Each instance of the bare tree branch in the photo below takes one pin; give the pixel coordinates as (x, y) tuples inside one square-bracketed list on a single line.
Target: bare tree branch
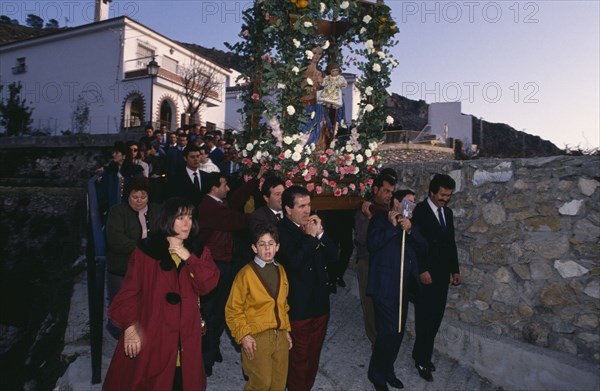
[(200, 82)]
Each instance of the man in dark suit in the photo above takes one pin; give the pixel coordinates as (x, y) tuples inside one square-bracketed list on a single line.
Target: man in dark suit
[(305, 252), (189, 181), (271, 212), (173, 155), (440, 267), (384, 241)]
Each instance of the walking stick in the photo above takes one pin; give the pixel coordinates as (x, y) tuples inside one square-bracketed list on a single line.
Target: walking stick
[(401, 281)]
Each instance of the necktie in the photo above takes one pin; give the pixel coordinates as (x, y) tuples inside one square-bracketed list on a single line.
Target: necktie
[(278, 216), (441, 217), (196, 181)]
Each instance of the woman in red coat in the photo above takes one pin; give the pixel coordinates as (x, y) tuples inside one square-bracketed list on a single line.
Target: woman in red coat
[(157, 306)]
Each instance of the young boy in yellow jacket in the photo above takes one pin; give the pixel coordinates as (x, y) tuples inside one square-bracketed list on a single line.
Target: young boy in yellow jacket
[(257, 314)]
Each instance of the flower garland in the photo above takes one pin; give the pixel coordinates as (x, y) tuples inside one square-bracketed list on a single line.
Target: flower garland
[(277, 45)]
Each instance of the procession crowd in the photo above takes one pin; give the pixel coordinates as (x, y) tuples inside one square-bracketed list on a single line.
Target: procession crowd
[(194, 251)]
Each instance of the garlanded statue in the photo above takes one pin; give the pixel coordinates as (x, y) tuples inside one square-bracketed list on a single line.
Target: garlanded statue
[(323, 103)]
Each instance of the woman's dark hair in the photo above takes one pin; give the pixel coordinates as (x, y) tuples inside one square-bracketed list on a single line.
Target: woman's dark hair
[(400, 194), (138, 183), (170, 210)]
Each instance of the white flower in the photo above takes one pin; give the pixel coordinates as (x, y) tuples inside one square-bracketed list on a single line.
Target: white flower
[(394, 63), (369, 91), (370, 161), (287, 154), (369, 108), (312, 115), (291, 110), (296, 42), (389, 120), (348, 148), (368, 153), (296, 156), (381, 54), (295, 70), (356, 170), (258, 154), (298, 148), (367, 19), (309, 54), (377, 67), (281, 86), (359, 158), (344, 5), (266, 154), (369, 43), (288, 140), (245, 153), (323, 7), (373, 145), (309, 81), (305, 172), (307, 24), (362, 30), (326, 45), (249, 147), (254, 159)]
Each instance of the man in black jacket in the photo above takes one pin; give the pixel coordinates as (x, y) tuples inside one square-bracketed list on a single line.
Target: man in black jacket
[(305, 252), (440, 267)]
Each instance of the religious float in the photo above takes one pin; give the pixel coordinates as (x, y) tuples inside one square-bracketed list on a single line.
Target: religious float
[(292, 55)]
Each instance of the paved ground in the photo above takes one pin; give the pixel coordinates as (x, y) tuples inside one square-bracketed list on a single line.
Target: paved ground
[(344, 359)]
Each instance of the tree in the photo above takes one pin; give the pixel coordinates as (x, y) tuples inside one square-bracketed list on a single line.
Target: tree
[(34, 21), (52, 24), (81, 115), (15, 116), (4, 19), (199, 83)]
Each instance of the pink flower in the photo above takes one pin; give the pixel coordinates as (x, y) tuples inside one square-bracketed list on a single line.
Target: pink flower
[(277, 167), (245, 33), (345, 191), (247, 162), (310, 186), (323, 159), (312, 170), (325, 181), (362, 187), (329, 151), (302, 165), (332, 184), (255, 97), (307, 178), (325, 173), (369, 181), (281, 156), (288, 183), (260, 183), (319, 189), (352, 186), (247, 178), (337, 192), (267, 16), (295, 171)]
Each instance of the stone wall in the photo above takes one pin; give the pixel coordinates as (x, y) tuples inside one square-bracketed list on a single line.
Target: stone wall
[(395, 153), (528, 235)]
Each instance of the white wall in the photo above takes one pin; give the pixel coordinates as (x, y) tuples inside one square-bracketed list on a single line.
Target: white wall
[(460, 126)]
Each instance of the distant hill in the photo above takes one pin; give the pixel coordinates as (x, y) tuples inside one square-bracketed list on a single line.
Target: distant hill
[(499, 140)]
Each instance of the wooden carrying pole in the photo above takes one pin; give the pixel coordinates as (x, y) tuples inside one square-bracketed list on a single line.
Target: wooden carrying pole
[(401, 281)]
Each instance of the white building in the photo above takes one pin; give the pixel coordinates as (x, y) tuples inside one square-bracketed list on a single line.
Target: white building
[(446, 120), (105, 63)]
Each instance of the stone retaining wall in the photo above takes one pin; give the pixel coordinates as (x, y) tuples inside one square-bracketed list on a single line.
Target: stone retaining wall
[(528, 235)]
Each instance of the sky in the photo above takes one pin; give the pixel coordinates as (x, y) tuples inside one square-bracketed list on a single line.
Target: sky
[(533, 65)]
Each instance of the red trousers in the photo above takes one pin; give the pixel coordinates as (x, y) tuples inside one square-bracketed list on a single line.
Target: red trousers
[(307, 339)]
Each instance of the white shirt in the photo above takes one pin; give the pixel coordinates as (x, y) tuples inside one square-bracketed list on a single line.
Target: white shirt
[(434, 208), (191, 175)]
